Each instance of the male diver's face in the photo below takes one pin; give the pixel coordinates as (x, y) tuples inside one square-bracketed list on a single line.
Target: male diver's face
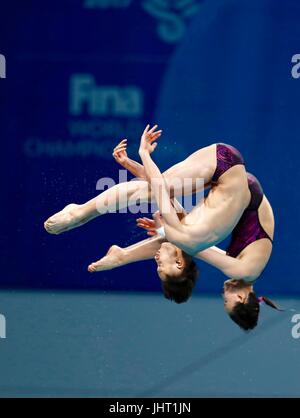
[(170, 261), (235, 291)]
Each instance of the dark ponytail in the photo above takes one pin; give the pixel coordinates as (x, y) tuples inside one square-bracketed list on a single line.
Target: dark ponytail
[(246, 314), (269, 303)]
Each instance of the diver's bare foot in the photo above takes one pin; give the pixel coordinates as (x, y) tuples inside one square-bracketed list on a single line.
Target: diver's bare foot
[(112, 260), (66, 219)]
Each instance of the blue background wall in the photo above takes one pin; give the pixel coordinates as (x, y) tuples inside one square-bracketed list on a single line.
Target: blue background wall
[(205, 70)]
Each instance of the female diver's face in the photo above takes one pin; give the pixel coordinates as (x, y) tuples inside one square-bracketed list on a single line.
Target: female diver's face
[(235, 291), (170, 261)]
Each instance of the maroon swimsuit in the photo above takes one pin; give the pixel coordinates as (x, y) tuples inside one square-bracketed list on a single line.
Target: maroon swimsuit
[(248, 229)]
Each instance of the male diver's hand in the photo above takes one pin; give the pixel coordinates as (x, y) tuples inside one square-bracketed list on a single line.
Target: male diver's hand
[(148, 139), (150, 225), (120, 153)]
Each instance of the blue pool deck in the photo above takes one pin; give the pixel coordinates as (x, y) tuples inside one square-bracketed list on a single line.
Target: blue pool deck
[(93, 344)]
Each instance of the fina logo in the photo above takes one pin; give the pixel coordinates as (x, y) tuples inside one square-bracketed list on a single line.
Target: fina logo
[(2, 66), (2, 327), (86, 96)]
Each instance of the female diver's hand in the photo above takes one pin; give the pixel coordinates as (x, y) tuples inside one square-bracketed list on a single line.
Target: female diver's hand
[(148, 139), (120, 153), (150, 225)]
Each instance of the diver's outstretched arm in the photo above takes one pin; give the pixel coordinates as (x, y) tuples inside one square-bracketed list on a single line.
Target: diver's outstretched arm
[(121, 157), (176, 233), (117, 257), (233, 268), (156, 179)]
